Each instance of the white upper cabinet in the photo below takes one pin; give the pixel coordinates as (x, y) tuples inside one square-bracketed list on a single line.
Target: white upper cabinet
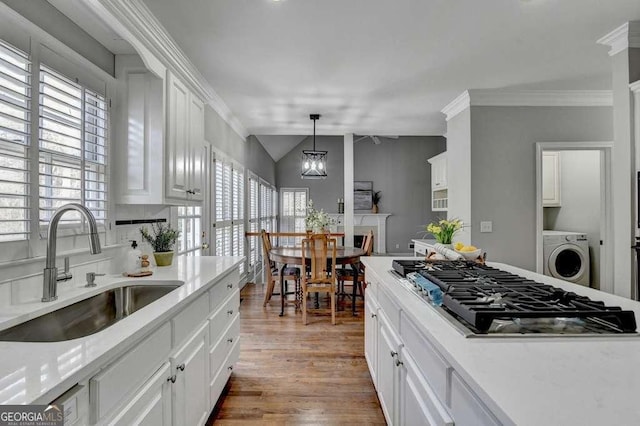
[(160, 153), (439, 191), (551, 179)]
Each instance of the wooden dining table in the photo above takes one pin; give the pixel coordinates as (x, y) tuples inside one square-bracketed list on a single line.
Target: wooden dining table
[(293, 256)]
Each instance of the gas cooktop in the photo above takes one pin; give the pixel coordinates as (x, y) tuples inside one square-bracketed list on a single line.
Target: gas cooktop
[(488, 300)]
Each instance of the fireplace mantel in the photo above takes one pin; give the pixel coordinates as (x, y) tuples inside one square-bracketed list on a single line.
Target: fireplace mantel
[(377, 221)]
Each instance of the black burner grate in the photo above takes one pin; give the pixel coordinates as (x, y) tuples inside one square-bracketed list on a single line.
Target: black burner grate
[(480, 294)]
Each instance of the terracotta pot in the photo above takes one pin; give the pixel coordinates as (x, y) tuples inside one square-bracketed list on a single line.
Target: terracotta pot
[(164, 258)]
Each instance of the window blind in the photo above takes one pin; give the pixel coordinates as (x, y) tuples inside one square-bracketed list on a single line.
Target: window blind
[(15, 128), (73, 147)]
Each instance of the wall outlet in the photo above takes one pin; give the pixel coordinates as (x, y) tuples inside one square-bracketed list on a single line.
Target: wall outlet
[(397, 246), (486, 226), (411, 246)]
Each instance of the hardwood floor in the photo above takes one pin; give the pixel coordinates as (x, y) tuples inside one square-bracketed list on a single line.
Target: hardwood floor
[(289, 373)]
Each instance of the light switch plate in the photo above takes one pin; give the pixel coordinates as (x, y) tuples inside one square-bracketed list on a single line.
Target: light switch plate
[(486, 226)]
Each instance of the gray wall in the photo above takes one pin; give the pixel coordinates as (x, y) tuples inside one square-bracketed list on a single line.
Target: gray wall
[(47, 17), (323, 192), (580, 209), (503, 187), (249, 153), (398, 168)]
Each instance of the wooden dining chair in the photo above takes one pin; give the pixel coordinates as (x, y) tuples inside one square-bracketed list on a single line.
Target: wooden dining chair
[(273, 273), (346, 274), (320, 250)]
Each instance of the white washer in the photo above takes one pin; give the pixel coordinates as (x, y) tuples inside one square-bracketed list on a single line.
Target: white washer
[(566, 256)]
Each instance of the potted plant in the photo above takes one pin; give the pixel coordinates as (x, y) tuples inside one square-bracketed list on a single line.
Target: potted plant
[(444, 230), (162, 238), (375, 198)]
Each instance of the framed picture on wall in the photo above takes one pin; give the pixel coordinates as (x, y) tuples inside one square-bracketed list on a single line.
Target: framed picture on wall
[(362, 195)]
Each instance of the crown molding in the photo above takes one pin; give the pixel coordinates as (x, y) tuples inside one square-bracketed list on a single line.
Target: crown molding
[(147, 31), (625, 36), (459, 104), (538, 98), (635, 86)]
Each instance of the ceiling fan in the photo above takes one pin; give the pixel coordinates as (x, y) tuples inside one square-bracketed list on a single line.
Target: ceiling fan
[(376, 139)]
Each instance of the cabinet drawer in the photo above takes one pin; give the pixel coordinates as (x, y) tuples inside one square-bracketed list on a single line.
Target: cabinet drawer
[(185, 322), (115, 382), (223, 344), (221, 319), (432, 365), (222, 375), (419, 249), (75, 404), (466, 406), (390, 308), (223, 289)]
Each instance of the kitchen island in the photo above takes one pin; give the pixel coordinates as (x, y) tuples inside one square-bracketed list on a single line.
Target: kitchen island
[(427, 372), (166, 362)]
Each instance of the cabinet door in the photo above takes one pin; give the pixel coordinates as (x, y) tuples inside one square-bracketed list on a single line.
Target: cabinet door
[(191, 389), (551, 179), (387, 376), (151, 405), (370, 335), (418, 404), (197, 152), (177, 139)]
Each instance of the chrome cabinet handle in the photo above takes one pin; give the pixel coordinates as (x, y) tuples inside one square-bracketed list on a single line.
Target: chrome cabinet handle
[(172, 379), (394, 354), (373, 315), (229, 286), (399, 363), (230, 340), (230, 312), (230, 368), (181, 367)]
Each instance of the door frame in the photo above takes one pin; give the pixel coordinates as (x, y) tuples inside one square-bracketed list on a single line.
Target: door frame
[(606, 223)]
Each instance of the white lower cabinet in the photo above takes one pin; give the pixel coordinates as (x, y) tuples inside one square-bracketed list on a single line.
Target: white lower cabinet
[(175, 375), (416, 384), (190, 392), (151, 405), (387, 372)]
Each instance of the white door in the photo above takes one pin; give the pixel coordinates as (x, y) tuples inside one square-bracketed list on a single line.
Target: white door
[(177, 139), (370, 335), (191, 389), (151, 405), (386, 372)]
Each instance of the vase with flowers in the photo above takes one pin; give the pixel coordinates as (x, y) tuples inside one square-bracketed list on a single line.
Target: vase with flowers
[(444, 230), (317, 220)]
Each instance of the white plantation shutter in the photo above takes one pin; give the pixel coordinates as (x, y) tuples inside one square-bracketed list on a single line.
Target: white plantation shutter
[(255, 248), (73, 147), (15, 128), (294, 210)]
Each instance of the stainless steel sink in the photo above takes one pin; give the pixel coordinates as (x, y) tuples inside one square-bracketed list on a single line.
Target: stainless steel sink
[(87, 316)]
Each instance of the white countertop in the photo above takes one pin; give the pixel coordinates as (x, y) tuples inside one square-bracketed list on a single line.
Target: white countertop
[(39, 372), (539, 381)]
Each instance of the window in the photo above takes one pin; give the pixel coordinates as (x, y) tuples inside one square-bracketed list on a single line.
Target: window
[(55, 156), (72, 158), (189, 225), (229, 210), (293, 212), (15, 129), (255, 249)]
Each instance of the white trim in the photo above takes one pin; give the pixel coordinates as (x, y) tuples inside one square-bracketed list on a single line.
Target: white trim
[(606, 221), (501, 97), (459, 104), (635, 86), (624, 37), (143, 29)]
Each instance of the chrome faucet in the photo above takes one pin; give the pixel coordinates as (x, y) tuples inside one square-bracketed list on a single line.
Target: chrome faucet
[(51, 277)]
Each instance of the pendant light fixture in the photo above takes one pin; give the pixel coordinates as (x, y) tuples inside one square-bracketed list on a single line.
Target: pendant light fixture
[(314, 163)]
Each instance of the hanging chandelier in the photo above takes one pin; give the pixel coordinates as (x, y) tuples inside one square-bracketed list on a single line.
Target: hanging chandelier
[(314, 163)]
